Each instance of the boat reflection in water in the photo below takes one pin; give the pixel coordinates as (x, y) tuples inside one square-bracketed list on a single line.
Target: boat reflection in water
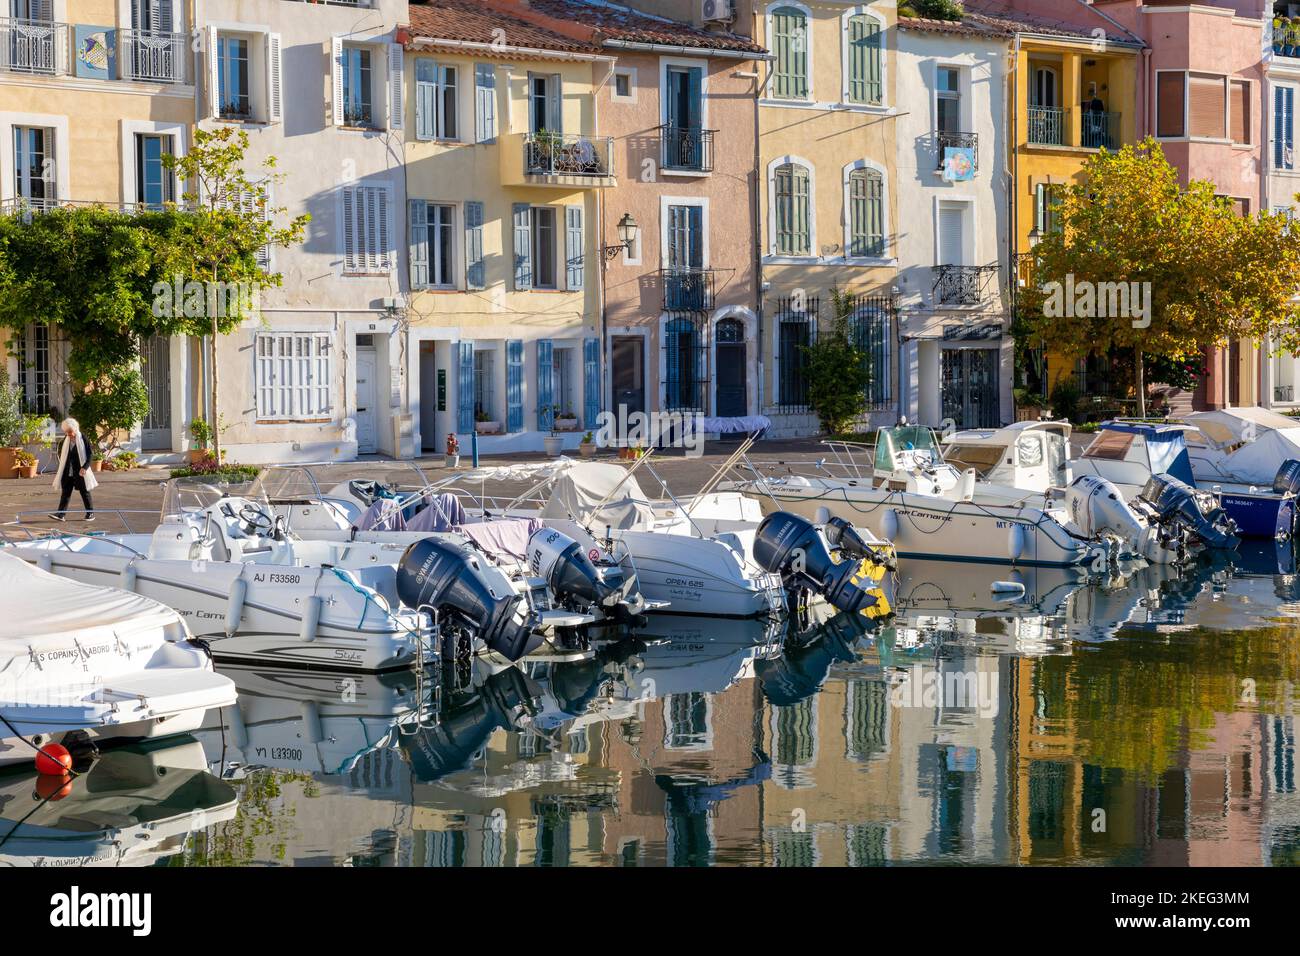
[(131, 807)]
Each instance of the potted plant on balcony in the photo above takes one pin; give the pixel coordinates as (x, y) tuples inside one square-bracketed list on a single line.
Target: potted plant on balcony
[(588, 447), (200, 440), (484, 425), (452, 456), (565, 421), (24, 463)]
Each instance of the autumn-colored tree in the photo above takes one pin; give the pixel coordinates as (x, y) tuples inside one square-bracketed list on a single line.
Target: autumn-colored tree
[(1136, 261)]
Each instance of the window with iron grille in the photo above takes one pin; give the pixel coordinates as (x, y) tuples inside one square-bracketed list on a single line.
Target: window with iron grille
[(34, 367), (683, 364), (796, 325), (866, 214), (871, 327), (293, 376), (793, 188)]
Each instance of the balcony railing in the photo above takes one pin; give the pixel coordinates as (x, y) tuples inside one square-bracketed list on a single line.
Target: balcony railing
[(28, 207), (1046, 126), (33, 46), (688, 290), (152, 56), (1099, 130), (687, 150), (962, 285), (944, 140), (553, 154)]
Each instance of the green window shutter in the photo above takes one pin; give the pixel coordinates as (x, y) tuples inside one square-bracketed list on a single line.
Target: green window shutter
[(790, 43), (866, 84)]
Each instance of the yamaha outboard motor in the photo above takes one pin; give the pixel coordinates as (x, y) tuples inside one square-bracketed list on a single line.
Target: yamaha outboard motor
[(791, 546), (578, 581), (1287, 480), (1175, 501), (840, 534), (464, 589)]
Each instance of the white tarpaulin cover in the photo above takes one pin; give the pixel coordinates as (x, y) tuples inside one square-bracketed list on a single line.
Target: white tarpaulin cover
[(581, 487), (39, 606), (1245, 445)]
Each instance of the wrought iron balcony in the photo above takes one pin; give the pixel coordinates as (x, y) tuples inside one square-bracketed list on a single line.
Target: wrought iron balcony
[(962, 285), (1046, 126), (152, 56), (1099, 130), (33, 46), (553, 154), (687, 290), (32, 206), (687, 150), (944, 140)]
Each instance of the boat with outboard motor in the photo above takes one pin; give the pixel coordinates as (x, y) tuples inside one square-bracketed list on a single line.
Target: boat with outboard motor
[(82, 665)]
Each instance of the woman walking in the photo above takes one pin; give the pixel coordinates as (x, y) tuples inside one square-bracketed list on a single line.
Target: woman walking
[(75, 456)]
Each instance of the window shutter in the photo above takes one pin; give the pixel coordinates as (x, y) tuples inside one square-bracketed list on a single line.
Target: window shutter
[(574, 247), (474, 267), (591, 381), (514, 385), (384, 246), (351, 260), (214, 82), (336, 57), (396, 99), (264, 260), (791, 48), (465, 384), (274, 97), (1169, 104), (426, 98), (545, 384), (523, 214), (1205, 104), (418, 214), (1284, 127), (485, 102), (952, 248), (555, 105), (1239, 103)]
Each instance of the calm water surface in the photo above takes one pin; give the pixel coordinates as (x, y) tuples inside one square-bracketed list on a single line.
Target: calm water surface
[(1145, 718)]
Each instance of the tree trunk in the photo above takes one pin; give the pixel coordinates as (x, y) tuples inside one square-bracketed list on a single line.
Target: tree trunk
[(216, 415), (1141, 385)]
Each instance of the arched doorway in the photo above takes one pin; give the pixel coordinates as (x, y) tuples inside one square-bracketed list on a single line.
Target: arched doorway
[(730, 369)]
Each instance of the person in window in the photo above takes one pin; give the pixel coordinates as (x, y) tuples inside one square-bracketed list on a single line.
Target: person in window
[(75, 456)]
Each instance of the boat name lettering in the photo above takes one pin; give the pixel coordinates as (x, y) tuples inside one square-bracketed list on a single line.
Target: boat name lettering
[(683, 583)]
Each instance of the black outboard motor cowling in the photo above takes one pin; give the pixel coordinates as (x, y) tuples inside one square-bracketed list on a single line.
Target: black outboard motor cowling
[(457, 583), (577, 581), (840, 534), (1287, 480), (791, 546), (1175, 500)]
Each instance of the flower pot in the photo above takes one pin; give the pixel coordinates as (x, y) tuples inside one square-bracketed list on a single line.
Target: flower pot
[(487, 428), (97, 465), (196, 455), (26, 471), (566, 424), (554, 444), (7, 462), (451, 461), (587, 449)]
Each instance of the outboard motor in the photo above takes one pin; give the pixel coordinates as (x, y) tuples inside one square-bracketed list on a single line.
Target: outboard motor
[(1176, 502), (579, 582), (842, 535), (1098, 510), (466, 590), (1287, 479), (791, 546)]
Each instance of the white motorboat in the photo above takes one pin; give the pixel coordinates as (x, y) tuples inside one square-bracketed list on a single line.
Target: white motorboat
[(254, 591), (131, 807), (1240, 446), (904, 493), (82, 663)]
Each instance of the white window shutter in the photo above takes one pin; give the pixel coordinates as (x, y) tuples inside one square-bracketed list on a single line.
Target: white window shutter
[(350, 231), (214, 83), (384, 252), (396, 97), (336, 57), (274, 95)]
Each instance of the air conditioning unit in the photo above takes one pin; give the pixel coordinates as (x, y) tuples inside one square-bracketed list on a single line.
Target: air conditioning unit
[(719, 11)]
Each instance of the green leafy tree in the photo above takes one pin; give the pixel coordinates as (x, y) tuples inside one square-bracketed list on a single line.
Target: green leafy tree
[(839, 373), (1193, 273)]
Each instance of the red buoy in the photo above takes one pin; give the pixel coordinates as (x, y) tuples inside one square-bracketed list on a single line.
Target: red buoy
[(53, 759), (53, 788)]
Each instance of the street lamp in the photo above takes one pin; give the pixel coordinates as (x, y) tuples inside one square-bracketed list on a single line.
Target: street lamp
[(627, 230)]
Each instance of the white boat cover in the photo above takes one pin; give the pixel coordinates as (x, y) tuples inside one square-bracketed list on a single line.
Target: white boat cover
[(1253, 442), (579, 489), (40, 607)]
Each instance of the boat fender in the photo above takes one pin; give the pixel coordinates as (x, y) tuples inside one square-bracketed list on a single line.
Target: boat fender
[(823, 515), (310, 619), (234, 717), (890, 525), (127, 578), (312, 732), (45, 562), (1008, 588), (235, 606), (1016, 543)]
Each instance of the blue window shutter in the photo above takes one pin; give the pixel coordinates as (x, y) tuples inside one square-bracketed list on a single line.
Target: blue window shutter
[(523, 247), (591, 380), (545, 384), (418, 216), (514, 385), (485, 102), (574, 247), (466, 386), (694, 98), (426, 98), (474, 271)]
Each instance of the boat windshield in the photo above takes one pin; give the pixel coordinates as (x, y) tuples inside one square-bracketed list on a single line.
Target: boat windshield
[(285, 482), (905, 438), (983, 458), (190, 495), (1110, 446)]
